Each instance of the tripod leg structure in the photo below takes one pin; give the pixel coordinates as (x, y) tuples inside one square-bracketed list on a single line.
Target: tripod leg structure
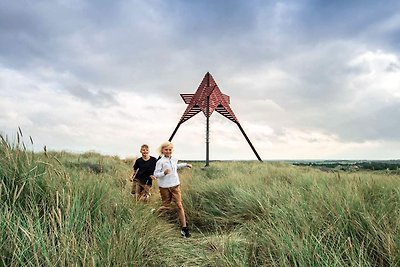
[(248, 141), (176, 129)]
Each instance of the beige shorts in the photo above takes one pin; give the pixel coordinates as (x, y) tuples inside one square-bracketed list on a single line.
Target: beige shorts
[(142, 189), (170, 194)]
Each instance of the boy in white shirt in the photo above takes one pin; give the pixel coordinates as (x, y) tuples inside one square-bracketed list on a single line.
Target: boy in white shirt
[(166, 172)]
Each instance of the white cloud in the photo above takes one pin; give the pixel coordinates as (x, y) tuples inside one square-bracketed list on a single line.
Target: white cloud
[(107, 76), (61, 121), (379, 75)]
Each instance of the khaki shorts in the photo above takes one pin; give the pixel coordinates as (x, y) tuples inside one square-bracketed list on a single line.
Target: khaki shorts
[(170, 194), (142, 190)]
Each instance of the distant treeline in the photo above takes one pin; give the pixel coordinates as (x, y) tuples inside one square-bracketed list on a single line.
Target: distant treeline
[(392, 165)]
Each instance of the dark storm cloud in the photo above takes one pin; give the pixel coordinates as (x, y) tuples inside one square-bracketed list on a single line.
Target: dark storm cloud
[(212, 20), (97, 98), (29, 31), (90, 40), (328, 20)]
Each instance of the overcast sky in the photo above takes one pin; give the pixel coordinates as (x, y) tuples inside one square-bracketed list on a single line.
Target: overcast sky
[(307, 79)]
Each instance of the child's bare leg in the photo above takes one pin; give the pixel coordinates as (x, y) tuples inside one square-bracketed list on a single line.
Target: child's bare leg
[(138, 192), (146, 193), (133, 189), (181, 214)]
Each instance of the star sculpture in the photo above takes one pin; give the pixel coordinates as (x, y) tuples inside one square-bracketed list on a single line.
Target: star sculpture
[(209, 98)]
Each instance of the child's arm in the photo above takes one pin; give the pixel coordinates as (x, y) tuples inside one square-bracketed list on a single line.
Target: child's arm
[(158, 171), (134, 174), (135, 170), (183, 165)]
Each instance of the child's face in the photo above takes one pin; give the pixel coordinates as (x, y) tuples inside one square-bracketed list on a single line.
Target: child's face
[(144, 151), (167, 151)]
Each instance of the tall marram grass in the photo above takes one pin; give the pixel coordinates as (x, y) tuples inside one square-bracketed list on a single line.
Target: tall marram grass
[(53, 216), (282, 215), (64, 209)]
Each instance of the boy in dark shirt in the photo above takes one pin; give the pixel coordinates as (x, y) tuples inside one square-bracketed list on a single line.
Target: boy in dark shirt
[(143, 173)]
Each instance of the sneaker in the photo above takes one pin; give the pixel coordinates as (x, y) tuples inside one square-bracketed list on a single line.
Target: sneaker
[(185, 232)]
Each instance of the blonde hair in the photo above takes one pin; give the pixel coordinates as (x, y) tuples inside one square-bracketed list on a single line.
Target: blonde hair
[(162, 146)]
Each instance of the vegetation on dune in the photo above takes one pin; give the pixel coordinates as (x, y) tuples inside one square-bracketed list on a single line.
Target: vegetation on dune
[(53, 215), (296, 216), (392, 166), (61, 209)]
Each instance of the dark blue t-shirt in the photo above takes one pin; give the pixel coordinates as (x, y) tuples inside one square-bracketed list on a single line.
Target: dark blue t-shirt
[(146, 168)]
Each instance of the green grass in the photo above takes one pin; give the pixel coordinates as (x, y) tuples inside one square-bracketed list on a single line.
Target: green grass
[(63, 209), (296, 216)]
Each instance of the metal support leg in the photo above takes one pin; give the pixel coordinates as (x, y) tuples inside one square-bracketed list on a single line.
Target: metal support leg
[(176, 129), (248, 141), (208, 133)]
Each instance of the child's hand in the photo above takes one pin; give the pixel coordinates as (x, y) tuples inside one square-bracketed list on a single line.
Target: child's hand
[(189, 166), (153, 177), (167, 171)]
